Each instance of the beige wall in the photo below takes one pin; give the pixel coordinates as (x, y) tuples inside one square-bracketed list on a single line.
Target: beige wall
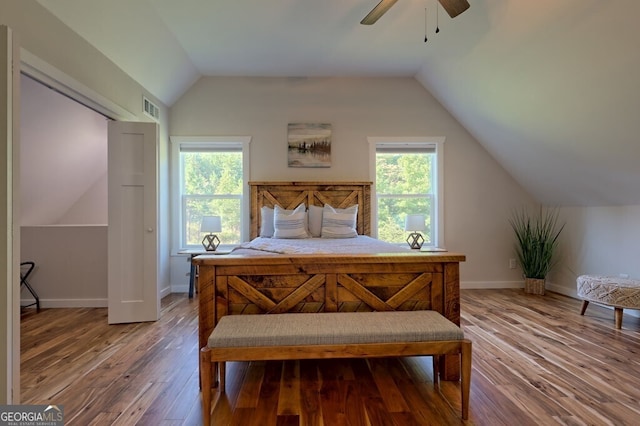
[(63, 159), (597, 240), (44, 36), (479, 195), (71, 265)]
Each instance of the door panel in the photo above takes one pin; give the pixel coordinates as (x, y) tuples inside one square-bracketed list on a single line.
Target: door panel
[(133, 223)]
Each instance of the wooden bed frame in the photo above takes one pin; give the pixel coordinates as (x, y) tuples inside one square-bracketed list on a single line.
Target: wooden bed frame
[(290, 195), (237, 284)]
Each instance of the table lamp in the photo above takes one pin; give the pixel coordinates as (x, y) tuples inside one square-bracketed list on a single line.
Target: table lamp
[(211, 224), (414, 223)]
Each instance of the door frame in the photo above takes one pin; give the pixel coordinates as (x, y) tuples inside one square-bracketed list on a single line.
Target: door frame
[(57, 80), (51, 76), (10, 252)]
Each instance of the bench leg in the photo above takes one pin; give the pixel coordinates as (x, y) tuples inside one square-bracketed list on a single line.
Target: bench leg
[(222, 375), (205, 382), (617, 314), (436, 371), (585, 303), (465, 373)]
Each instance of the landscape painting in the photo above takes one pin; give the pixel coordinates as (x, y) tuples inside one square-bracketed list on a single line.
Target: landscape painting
[(309, 144)]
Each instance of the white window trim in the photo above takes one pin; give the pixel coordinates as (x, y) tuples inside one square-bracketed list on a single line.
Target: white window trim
[(194, 141), (438, 143)]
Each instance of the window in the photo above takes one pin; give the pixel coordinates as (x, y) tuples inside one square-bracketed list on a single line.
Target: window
[(407, 181), (210, 177)]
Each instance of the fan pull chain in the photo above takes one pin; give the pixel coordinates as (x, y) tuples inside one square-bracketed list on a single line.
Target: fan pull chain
[(437, 25), (425, 24)]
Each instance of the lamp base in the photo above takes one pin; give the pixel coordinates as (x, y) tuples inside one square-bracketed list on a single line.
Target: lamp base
[(415, 240), (210, 242)]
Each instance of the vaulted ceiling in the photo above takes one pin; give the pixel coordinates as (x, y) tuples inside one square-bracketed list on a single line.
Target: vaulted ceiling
[(551, 88)]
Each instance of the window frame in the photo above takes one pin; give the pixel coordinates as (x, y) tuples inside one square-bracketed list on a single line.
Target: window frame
[(205, 142), (432, 142)]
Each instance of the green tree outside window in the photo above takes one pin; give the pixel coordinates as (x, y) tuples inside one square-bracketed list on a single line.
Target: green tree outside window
[(404, 185)]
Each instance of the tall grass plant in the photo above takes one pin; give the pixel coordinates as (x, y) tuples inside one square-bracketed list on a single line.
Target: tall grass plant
[(537, 240)]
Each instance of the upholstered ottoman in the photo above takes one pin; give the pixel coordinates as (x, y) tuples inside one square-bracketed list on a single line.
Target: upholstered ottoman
[(620, 293)]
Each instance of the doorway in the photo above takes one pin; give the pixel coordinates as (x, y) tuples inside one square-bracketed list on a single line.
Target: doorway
[(63, 184)]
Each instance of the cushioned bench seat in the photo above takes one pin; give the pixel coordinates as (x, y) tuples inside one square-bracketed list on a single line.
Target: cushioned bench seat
[(332, 328), (332, 335), (620, 293)]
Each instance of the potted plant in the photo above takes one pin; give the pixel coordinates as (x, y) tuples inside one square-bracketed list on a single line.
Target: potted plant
[(537, 240)]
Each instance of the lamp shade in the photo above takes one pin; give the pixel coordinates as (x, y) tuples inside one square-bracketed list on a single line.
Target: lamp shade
[(414, 222), (211, 224)]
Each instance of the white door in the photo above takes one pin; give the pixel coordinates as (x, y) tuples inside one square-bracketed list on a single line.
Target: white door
[(9, 222), (133, 222)]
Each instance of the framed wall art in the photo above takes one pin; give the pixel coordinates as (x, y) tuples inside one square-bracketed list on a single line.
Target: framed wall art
[(309, 144)]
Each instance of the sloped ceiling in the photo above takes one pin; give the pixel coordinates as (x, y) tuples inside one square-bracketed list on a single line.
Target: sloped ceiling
[(63, 157), (551, 88)]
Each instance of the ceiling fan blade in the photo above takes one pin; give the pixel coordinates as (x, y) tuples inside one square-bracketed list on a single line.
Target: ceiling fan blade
[(378, 11), (454, 7)]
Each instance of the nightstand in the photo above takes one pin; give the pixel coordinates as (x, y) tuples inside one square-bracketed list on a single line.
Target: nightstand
[(194, 270)]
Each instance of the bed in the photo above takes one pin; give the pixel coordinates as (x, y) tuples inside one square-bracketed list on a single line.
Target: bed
[(268, 282)]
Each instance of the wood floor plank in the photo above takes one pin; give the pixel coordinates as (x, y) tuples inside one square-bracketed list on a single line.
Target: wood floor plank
[(354, 410), (250, 392), (391, 395), (331, 402), (536, 360), (175, 400), (267, 409), (310, 412), (289, 398), (377, 413)]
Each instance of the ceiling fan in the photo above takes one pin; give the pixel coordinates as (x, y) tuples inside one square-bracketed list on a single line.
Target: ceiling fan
[(453, 8)]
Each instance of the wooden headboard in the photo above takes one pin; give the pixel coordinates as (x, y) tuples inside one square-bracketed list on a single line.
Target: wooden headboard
[(289, 195)]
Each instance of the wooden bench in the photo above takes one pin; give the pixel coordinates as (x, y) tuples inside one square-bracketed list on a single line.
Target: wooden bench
[(332, 335)]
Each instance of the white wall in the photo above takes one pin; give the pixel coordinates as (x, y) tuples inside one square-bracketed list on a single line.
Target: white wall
[(63, 149), (44, 36), (71, 265), (479, 195), (91, 207), (597, 240)]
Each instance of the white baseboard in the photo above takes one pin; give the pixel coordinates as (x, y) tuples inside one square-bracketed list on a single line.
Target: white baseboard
[(80, 303), (67, 303), (165, 292), (479, 285), (184, 288), (570, 292)]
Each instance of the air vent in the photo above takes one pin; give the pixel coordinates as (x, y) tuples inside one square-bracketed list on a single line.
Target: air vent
[(150, 109)]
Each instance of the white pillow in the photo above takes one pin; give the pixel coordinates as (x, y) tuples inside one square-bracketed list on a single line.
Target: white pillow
[(290, 224), (339, 223), (315, 220), (266, 222)]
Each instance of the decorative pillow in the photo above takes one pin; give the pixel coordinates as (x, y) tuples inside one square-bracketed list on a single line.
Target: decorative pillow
[(339, 223), (266, 222), (290, 224), (315, 220)]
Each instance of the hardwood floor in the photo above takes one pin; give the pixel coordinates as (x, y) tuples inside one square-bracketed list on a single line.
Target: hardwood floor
[(536, 361)]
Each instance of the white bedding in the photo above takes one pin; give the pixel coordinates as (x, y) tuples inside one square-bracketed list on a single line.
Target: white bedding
[(358, 245)]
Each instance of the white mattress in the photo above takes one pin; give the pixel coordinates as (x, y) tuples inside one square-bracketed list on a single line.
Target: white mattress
[(359, 245)]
